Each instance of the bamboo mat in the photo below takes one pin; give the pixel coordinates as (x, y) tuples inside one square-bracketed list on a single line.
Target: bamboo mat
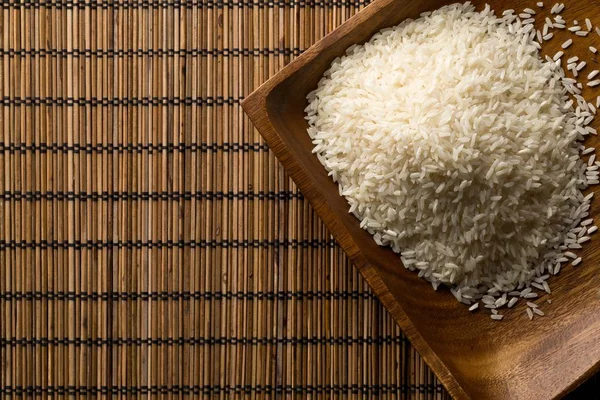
[(150, 244)]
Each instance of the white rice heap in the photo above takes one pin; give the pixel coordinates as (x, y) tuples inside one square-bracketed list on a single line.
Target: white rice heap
[(456, 144)]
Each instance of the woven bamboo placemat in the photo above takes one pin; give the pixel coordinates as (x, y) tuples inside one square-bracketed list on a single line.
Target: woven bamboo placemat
[(149, 241)]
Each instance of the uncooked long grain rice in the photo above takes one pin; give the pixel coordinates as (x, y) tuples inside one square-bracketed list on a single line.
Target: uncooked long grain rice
[(558, 55), (546, 287), (558, 7), (588, 151), (529, 313), (428, 141)]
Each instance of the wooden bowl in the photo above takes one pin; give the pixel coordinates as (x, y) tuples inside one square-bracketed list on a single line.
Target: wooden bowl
[(473, 356)]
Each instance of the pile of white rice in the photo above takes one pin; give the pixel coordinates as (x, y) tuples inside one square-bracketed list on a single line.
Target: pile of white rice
[(455, 143)]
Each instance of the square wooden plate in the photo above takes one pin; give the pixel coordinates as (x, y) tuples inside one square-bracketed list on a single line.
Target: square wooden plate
[(473, 356)]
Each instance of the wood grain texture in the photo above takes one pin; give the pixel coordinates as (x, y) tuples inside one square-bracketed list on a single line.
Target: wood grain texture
[(474, 357)]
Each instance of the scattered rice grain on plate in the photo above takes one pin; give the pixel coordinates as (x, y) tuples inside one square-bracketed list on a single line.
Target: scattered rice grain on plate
[(558, 55), (588, 151), (545, 29), (560, 8), (538, 311), (546, 287)]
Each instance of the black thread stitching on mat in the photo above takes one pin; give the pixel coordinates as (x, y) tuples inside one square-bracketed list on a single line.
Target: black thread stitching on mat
[(210, 341), (284, 195), (215, 389), (120, 101), (138, 244), (205, 4), (88, 53), (134, 147), (166, 296)]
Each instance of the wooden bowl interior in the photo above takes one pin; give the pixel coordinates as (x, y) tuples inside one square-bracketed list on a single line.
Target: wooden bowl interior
[(514, 358)]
